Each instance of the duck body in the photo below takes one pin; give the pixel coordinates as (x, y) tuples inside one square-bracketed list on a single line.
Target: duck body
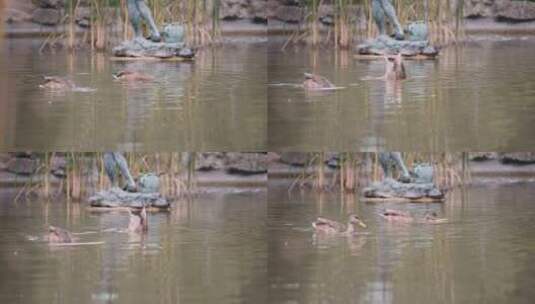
[(138, 221), (57, 83), (396, 216), (327, 226), (395, 68), (405, 217), (316, 82), (132, 76), (59, 235)]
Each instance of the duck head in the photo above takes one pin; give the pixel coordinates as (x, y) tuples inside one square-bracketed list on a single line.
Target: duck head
[(355, 220)]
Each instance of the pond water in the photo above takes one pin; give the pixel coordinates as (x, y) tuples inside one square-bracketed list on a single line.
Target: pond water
[(216, 103), (208, 250), (485, 254), (476, 96)]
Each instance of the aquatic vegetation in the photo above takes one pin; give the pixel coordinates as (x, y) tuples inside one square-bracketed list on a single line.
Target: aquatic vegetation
[(75, 175)]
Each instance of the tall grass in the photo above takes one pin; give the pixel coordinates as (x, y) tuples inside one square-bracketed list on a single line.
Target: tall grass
[(356, 170), (85, 174), (444, 19)]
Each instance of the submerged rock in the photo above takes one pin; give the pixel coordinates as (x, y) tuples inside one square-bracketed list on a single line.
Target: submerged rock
[(115, 197)]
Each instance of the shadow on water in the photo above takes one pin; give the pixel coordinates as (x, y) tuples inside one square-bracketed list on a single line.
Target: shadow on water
[(215, 103), (475, 96), (483, 254)]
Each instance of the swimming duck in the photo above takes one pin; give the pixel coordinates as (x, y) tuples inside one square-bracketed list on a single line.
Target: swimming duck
[(395, 69), (57, 83), (138, 221), (59, 235), (405, 217), (316, 82), (132, 76), (332, 227)]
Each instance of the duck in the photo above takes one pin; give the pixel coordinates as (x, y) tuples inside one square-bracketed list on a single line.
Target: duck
[(59, 235), (405, 217), (392, 215), (138, 221), (327, 226), (57, 83), (395, 69), (316, 82), (132, 76)]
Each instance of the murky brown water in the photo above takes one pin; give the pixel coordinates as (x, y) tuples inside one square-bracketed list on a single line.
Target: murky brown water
[(216, 103), (485, 254), (479, 96), (208, 250)]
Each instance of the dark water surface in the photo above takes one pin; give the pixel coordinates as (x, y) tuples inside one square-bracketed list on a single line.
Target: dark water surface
[(216, 103), (485, 254), (476, 96), (208, 250)]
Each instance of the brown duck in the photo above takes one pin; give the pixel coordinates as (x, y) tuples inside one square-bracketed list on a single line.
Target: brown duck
[(57, 83), (397, 216), (59, 235), (327, 226), (395, 69), (138, 221), (316, 82), (132, 76)]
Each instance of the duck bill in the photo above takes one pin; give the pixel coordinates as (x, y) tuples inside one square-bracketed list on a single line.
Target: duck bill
[(361, 224)]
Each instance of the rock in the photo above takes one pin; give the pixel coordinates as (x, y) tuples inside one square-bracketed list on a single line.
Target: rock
[(115, 197), (210, 161), (247, 163), (478, 8), (49, 3), (483, 156), (22, 165), (295, 158), (289, 14), (390, 188), (141, 47), (515, 11), (259, 11), (14, 16), (46, 16), (234, 9), (518, 158), (384, 45)]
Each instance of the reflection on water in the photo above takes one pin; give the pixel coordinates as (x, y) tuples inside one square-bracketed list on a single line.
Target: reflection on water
[(476, 96), (216, 103), (209, 250), (485, 254)]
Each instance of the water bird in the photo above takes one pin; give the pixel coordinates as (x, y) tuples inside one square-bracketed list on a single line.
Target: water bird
[(332, 227), (398, 216), (316, 82), (132, 76), (138, 221), (395, 69), (59, 235), (57, 83)]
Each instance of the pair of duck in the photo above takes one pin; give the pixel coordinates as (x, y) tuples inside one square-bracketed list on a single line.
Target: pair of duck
[(323, 225), (394, 70), (138, 223), (61, 83)]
